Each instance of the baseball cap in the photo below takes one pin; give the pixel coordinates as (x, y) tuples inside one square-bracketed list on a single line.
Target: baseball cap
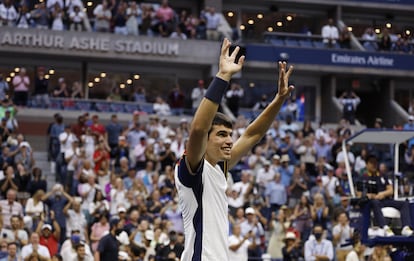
[(285, 158), (250, 210), (122, 255), (276, 156), (167, 141), (47, 226), (121, 209), (290, 235)]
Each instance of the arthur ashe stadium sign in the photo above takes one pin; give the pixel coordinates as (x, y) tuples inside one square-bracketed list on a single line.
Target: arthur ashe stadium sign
[(91, 42)]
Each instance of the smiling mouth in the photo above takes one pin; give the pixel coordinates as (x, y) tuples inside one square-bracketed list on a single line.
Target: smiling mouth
[(227, 150)]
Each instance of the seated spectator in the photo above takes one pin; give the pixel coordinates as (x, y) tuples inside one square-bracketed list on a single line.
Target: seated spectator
[(10, 207), (20, 235), (369, 38), (69, 247), (35, 249), (10, 181), (103, 16), (330, 34), (318, 248)]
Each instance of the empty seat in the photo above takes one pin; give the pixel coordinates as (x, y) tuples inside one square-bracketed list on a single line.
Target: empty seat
[(318, 44), (291, 43), (277, 42), (103, 107), (83, 105), (305, 43), (131, 107), (117, 107)]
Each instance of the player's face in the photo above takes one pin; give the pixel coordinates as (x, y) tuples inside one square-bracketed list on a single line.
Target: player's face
[(219, 144)]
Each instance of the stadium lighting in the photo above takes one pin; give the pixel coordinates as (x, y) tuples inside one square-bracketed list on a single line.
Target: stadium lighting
[(103, 75), (377, 30), (90, 84), (388, 25), (51, 71), (89, 3), (279, 24), (129, 81), (349, 28), (242, 27), (12, 74), (250, 21), (251, 85), (17, 69), (137, 76), (122, 85), (230, 14), (270, 29), (8, 79), (289, 18), (47, 76), (260, 16), (97, 79), (407, 32)]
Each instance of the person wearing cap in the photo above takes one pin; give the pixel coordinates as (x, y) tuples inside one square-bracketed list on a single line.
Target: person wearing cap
[(123, 256), (47, 238), (177, 145), (291, 251), (252, 225), (197, 94), (201, 174), (331, 183), (379, 190), (66, 139), (264, 175), (147, 243), (286, 170)]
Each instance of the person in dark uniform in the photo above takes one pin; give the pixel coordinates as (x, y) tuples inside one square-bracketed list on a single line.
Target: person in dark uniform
[(378, 189), (108, 246)]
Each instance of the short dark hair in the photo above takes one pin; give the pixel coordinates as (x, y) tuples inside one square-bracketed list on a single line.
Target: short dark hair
[(221, 119)]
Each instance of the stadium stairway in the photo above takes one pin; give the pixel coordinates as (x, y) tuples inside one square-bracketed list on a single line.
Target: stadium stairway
[(39, 145)]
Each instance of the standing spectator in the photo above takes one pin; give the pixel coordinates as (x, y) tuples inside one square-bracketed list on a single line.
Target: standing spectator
[(320, 211), (108, 246), (261, 104), (35, 207), (385, 42), (165, 15), (277, 228), (41, 89), (342, 236), (66, 139), (75, 218), (103, 16), (98, 230), (345, 38), (114, 130), (35, 249), (212, 23), (275, 193), (303, 221), (61, 91), (197, 94), (77, 17), (161, 108), (349, 101), (176, 99), (48, 238), (4, 88), (24, 18), (41, 16), (318, 248), (76, 91), (21, 83), (57, 18), (239, 244), (120, 19), (100, 155), (98, 129), (134, 20), (298, 185), (12, 253), (36, 182), (252, 225), (233, 97), (330, 34), (8, 13), (370, 39)]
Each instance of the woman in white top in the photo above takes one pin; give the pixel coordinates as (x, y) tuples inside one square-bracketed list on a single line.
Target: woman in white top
[(35, 207), (88, 141), (57, 14)]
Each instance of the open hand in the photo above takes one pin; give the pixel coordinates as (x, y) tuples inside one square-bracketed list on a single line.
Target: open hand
[(227, 65), (283, 83)]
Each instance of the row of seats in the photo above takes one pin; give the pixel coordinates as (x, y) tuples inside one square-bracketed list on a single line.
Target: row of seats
[(99, 106), (289, 42)]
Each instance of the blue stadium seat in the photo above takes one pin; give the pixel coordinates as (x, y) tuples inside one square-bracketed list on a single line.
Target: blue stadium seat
[(103, 107), (147, 107), (306, 43), (117, 107), (292, 43), (277, 42), (83, 105), (318, 44), (131, 107), (55, 104)]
